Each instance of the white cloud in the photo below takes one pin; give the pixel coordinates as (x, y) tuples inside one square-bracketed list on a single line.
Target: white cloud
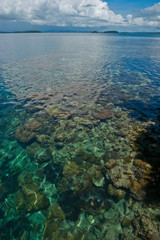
[(60, 12), (149, 16), (153, 11), (91, 13)]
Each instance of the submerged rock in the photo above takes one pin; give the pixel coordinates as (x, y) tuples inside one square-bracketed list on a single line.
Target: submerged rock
[(29, 198), (134, 179), (126, 222), (33, 107), (51, 109), (62, 115), (110, 164), (27, 132), (84, 156), (24, 178), (96, 176), (104, 114), (57, 112), (81, 173), (24, 135), (72, 174), (86, 122), (32, 124), (54, 220), (74, 231), (117, 193), (111, 155), (146, 227), (121, 177), (35, 151)]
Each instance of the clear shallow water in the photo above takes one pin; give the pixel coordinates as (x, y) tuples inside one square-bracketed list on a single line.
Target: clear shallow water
[(79, 138)]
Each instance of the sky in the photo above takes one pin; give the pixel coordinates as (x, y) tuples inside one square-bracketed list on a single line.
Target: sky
[(79, 15)]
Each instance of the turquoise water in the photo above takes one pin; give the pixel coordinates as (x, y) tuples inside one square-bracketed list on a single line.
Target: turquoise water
[(79, 137)]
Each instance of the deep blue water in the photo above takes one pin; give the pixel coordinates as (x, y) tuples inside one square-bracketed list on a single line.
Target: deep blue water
[(79, 136)]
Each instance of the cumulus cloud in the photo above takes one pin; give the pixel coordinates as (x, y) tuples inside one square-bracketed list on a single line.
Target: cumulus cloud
[(80, 13), (149, 16), (60, 12), (152, 12)]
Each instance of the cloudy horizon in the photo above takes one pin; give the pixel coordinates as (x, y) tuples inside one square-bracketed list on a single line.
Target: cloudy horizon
[(76, 14)]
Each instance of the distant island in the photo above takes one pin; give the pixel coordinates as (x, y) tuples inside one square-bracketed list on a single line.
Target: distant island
[(110, 32), (140, 33), (128, 33), (30, 31), (100, 32)]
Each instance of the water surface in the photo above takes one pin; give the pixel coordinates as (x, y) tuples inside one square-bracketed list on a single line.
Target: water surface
[(79, 142)]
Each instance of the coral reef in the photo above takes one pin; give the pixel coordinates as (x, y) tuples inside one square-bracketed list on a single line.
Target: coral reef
[(54, 220), (29, 197), (81, 170), (104, 114), (26, 133)]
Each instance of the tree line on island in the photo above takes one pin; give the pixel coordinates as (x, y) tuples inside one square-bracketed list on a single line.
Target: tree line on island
[(105, 32), (65, 31)]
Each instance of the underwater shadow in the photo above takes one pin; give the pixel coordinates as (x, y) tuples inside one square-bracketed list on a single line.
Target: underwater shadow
[(147, 110), (148, 144)]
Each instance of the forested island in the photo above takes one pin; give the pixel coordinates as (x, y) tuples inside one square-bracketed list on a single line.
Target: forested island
[(30, 31), (112, 31)]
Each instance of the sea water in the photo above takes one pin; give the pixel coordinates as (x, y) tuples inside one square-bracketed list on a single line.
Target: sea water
[(79, 136)]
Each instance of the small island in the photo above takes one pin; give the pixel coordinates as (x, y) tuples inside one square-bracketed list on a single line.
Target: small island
[(94, 32), (30, 31), (110, 32)]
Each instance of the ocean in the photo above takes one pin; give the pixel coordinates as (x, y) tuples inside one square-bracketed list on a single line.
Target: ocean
[(79, 136)]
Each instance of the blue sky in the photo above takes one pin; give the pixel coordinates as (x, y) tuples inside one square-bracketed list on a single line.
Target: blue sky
[(130, 5), (122, 15)]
